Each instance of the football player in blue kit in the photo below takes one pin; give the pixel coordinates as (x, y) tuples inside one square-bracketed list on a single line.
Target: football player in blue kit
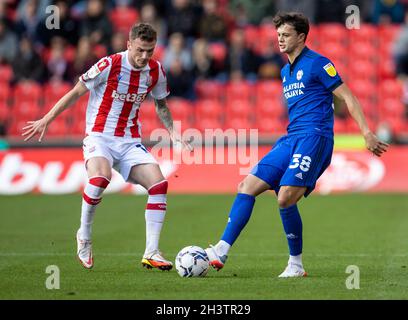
[(299, 158)]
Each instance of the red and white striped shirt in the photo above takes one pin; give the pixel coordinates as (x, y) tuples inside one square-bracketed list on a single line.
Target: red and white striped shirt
[(117, 90)]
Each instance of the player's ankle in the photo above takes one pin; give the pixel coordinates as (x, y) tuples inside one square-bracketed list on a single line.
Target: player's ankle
[(296, 259), (222, 248)]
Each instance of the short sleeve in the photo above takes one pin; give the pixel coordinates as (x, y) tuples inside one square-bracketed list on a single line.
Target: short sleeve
[(161, 89), (97, 74), (326, 73)]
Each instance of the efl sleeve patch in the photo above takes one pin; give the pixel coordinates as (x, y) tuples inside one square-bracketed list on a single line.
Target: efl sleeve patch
[(95, 70), (330, 69)]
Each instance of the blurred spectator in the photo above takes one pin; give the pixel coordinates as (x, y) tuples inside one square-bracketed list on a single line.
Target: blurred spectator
[(180, 81), (68, 26), (388, 11), (212, 26), (148, 14), (183, 17), (96, 24), (330, 11), (240, 58), (5, 15), (271, 62), (176, 50), (56, 64), (307, 7), (27, 21), (118, 43), (41, 6), (204, 65), (8, 43), (27, 64), (255, 10), (84, 59)]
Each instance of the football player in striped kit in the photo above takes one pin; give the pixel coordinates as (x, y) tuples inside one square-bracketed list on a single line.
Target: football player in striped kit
[(118, 84)]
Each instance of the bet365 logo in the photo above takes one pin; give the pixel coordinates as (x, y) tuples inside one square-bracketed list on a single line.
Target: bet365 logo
[(302, 162)]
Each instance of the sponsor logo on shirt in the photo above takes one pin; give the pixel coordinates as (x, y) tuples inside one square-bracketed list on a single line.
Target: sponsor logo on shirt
[(129, 97)]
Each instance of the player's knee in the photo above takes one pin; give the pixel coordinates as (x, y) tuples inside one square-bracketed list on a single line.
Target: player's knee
[(285, 200), (245, 187)]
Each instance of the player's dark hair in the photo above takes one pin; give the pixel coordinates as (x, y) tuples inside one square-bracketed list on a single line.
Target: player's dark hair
[(143, 31), (296, 19)]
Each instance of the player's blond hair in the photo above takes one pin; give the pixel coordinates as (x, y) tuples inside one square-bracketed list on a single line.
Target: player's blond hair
[(143, 31)]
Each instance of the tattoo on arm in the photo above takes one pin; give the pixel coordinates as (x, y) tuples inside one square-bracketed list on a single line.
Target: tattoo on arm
[(164, 113)]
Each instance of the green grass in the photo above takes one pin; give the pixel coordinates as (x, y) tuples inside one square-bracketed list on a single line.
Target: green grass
[(364, 230)]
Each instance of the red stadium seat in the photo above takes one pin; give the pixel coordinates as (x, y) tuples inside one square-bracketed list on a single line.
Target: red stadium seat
[(363, 89), (7, 74), (340, 125), (208, 109), (123, 18), (26, 110), (271, 108), (268, 90), (363, 70), (27, 91), (54, 90), (206, 89), (241, 90), (332, 32), (238, 108), (181, 110), (148, 109), (59, 127), (148, 125), (208, 123), (353, 128), (386, 69), (388, 33), (390, 88), (251, 36), (271, 126), (5, 113), (335, 51), (158, 52), (363, 51), (16, 126), (218, 51), (367, 33), (77, 127), (392, 108), (238, 123), (5, 92)]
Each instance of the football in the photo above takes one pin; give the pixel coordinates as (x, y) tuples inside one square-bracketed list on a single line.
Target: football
[(192, 261)]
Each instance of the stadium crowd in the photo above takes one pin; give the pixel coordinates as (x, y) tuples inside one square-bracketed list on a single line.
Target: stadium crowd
[(205, 46)]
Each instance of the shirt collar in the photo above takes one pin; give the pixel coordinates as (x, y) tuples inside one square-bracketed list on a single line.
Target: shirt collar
[(292, 65)]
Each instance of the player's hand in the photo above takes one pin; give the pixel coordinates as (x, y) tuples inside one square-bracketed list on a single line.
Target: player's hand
[(35, 127), (376, 146), (178, 141)]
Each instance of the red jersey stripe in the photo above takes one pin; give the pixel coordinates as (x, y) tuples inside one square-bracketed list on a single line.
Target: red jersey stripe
[(156, 206), (153, 73), (107, 101), (127, 106)]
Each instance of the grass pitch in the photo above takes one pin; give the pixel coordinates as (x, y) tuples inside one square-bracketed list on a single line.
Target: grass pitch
[(368, 231)]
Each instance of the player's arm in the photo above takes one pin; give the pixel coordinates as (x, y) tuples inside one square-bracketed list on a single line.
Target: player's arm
[(165, 117), (373, 144), (40, 126)]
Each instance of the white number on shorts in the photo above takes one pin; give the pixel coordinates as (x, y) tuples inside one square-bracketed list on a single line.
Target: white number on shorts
[(304, 165)]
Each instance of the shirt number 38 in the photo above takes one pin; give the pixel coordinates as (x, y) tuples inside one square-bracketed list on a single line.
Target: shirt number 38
[(303, 162)]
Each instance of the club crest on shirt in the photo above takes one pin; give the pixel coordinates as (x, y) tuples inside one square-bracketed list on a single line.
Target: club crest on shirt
[(299, 75), (330, 69)]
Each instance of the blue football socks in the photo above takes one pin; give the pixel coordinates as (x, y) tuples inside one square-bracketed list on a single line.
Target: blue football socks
[(292, 224), (240, 213)]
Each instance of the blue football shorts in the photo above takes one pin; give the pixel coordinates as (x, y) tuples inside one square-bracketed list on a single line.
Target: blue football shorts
[(295, 160)]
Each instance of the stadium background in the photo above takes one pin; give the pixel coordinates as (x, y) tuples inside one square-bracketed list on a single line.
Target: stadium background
[(223, 69)]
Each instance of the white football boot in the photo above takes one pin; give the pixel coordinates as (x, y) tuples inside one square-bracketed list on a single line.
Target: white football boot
[(293, 270), (216, 261), (84, 252), (156, 260)]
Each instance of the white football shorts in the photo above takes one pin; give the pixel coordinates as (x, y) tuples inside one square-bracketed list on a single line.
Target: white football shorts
[(122, 154)]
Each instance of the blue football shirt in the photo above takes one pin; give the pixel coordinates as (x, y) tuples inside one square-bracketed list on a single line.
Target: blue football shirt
[(307, 86)]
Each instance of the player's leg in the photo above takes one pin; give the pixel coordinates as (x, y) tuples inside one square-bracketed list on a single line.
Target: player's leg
[(311, 156), (151, 178), (288, 197), (239, 215), (266, 175), (99, 175)]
